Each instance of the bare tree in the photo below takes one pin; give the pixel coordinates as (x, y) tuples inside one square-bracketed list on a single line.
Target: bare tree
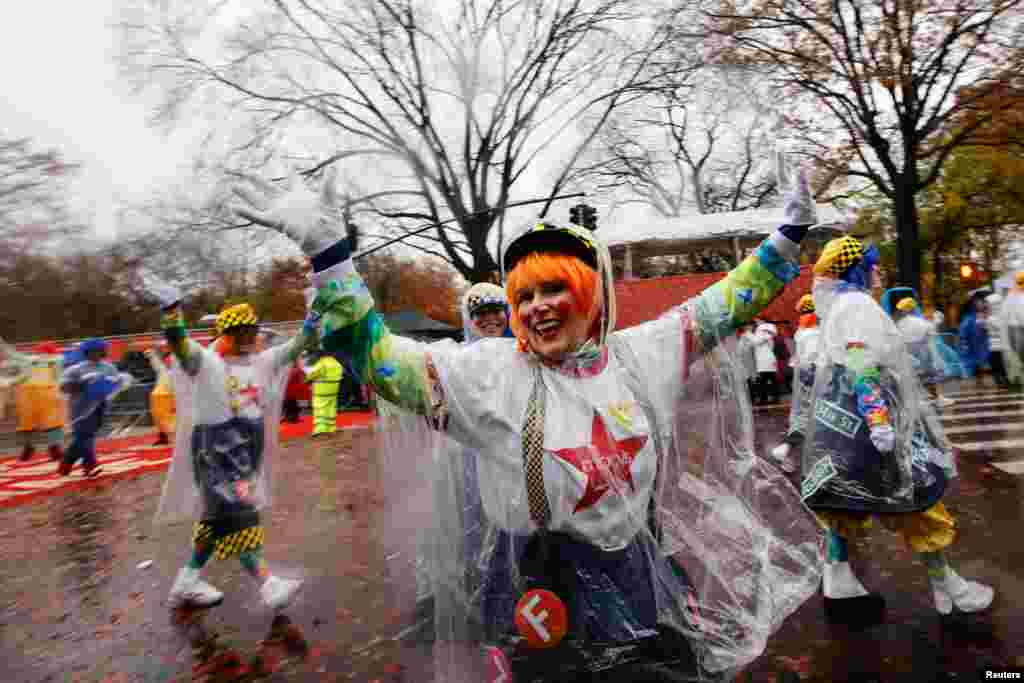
[(449, 106), (878, 89), (33, 196), (703, 145)]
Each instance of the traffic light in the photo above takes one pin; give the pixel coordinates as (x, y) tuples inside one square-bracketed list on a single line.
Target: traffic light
[(583, 215), (589, 217)]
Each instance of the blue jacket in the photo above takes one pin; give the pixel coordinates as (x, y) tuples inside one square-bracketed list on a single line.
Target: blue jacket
[(974, 344)]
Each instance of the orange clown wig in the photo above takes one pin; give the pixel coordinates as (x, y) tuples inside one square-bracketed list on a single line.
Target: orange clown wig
[(538, 267)]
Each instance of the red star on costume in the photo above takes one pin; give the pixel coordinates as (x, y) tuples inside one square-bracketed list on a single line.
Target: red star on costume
[(603, 455), (251, 393)]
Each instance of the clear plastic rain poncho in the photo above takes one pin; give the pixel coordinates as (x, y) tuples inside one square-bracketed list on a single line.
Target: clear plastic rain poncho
[(676, 550), (865, 386), (1011, 322), (226, 433), (98, 383), (919, 333)]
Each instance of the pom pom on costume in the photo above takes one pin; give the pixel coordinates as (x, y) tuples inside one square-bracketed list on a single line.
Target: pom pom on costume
[(808, 320), (239, 315), (906, 305), (806, 304), (1018, 279)]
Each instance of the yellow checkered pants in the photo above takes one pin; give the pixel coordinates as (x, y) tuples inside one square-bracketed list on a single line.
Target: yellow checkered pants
[(229, 545)]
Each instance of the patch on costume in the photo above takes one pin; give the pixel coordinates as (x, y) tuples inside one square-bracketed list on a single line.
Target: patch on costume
[(622, 413), (235, 543), (837, 419), (745, 295), (386, 370), (820, 474)]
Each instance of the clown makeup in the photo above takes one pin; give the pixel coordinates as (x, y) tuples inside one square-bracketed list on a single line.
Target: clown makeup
[(490, 321), (548, 313)]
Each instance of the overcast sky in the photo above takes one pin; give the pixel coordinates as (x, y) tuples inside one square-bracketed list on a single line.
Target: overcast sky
[(60, 87)]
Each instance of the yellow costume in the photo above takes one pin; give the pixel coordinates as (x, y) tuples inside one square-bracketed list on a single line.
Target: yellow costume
[(161, 399), (38, 402), (326, 375)]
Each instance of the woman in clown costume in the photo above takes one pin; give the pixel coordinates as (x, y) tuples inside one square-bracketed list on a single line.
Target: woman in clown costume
[(872, 450), (607, 461), (804, 362), (228, 407)]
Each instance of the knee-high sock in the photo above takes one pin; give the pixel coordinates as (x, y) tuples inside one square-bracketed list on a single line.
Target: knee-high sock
[(837, 548), (201, 554), (252, 562), (936, 563)]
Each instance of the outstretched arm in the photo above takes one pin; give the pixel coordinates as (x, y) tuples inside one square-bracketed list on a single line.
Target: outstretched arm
[(343, 310), (746, 290)]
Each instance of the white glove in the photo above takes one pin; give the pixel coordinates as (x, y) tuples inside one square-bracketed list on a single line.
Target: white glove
[(167, 295), (307, 218), (800, 208), (884, 438)]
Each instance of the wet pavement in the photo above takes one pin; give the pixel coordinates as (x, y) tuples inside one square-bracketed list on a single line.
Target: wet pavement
[(74, 604)]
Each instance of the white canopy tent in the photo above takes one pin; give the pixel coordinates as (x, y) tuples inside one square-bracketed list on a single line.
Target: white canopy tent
[(637, 232)]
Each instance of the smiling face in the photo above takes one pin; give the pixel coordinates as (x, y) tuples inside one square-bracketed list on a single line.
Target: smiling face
[(490, 321), (549, 315)]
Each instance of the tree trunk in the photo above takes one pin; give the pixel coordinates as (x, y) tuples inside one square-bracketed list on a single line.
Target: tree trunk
[(908, 257)]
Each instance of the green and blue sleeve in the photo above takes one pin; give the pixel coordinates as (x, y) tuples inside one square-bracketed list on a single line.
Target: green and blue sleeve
[(399, 369), (746, 290)]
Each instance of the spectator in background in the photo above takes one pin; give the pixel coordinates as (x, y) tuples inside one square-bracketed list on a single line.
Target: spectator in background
[(767, 364), (296, 391), (748, 359)]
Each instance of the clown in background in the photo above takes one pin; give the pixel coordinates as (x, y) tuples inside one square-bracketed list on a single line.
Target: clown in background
[(997, 342), (38, 403), (229, 399), (91, 384), (325, 373), (974, 342), (1012, 319), (874, 449), (161, 399), (803, 361), (922, 339)]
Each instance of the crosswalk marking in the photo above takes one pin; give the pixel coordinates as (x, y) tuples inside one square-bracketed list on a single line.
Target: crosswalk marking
[(996, 445), (1005, 436), (998, 427), (974, 416), (1015, 467)]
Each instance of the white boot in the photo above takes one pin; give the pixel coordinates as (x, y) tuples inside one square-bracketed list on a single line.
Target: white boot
[(952, 590), (781, 452), (277, 593), (839, 582), (189, 589)]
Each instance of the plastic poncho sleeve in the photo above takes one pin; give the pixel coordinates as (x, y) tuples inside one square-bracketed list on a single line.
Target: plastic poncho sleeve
[(399, 369), (746, 290)]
